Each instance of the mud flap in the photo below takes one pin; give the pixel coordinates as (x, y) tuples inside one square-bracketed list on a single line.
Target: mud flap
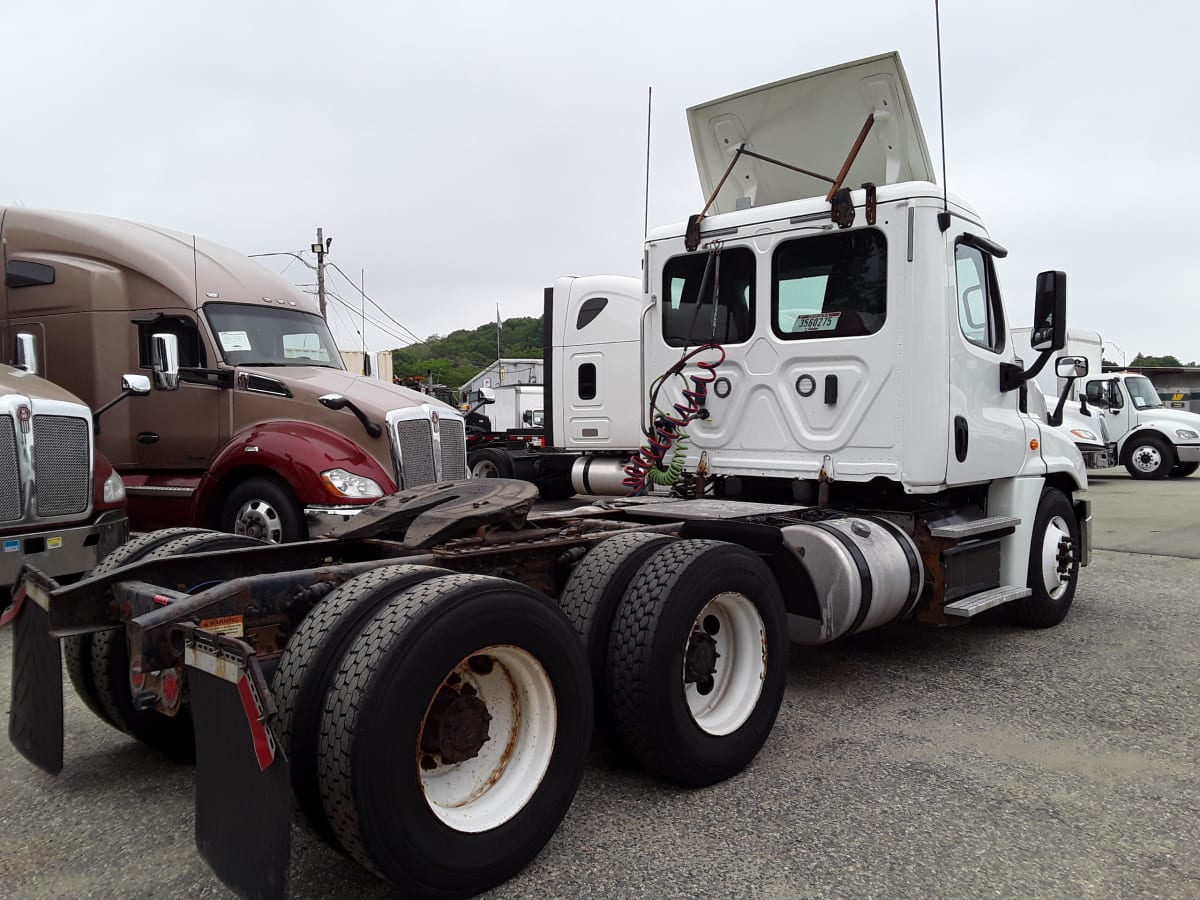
[(243, 794), (35, 718)]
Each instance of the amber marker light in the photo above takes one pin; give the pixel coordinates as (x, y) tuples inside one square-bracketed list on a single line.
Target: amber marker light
[(1033, 445)]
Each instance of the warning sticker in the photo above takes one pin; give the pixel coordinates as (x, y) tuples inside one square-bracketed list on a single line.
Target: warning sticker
[(818, 322), (54, 543), (230, 626)]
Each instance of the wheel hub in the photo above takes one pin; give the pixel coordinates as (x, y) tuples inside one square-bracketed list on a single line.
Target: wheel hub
[(700, 661), (1147, 459), (456, 728), (258, 519)]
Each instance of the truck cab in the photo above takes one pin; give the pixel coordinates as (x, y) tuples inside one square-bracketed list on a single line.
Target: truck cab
[(1152, 440), (254, 426), (834, 340), (62, 506)]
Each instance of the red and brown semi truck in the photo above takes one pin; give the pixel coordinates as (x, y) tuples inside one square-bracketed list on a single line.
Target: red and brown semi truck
[(254, 425)]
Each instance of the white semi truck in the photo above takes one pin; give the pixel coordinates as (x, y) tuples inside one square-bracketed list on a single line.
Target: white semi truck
[(832, 366), (1145, 436)]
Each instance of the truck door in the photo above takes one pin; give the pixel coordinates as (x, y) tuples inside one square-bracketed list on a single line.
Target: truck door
[(177, 430), (1108, 395), (987, 431)]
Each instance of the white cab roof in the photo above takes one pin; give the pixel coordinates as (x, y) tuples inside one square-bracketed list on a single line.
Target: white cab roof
[(811, 121)]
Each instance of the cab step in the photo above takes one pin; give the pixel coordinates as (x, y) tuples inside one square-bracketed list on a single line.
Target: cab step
[(977, 603), (973, 527)]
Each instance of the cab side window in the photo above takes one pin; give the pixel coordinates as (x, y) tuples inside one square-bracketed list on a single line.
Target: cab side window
[(979, 314), (191, 348)]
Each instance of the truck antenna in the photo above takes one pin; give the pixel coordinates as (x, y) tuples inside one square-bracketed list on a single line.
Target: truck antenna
[(646, 205), (195, 273), (944, 215)]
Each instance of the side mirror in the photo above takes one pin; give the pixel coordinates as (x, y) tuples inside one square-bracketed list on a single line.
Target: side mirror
[(1050, 312), (164, 360), (1071, 366), (332, 401), (527, 416), (137, 385), (26, 355), (486, 395)]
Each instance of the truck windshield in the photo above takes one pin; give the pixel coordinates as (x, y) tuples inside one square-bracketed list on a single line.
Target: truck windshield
[(1142, 393), (269, 336)]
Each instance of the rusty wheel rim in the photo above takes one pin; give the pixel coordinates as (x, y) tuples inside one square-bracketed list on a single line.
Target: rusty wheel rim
[(487, 737)]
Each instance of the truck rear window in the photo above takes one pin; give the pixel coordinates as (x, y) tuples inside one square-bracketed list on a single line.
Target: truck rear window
[(725, 311), (829, 285)]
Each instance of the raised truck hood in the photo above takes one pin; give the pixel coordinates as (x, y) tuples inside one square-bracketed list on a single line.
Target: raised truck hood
[(811, 121)]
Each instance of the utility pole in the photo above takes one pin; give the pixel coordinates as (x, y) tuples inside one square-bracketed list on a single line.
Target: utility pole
[(321, 247), (362, 286)]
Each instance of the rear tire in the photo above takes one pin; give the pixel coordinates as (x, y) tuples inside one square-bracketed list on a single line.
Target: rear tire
[(77, 649), (264, 509), (399, 792), (590, 600), (686, 713), (1149, 457), (1053, 563), (307, 667), (1183, 470), (172, 735), (490, 464)]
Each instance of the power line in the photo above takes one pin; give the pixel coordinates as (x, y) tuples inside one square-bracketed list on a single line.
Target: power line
[(389, 316)]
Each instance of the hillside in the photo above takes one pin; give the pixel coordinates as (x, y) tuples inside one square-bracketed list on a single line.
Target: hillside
[(458, 356)]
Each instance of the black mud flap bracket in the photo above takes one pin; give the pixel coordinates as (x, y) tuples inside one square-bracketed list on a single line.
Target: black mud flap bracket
[(35, 717), (243, 794)]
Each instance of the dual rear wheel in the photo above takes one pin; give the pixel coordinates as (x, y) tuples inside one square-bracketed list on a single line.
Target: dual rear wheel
[(688, 645), (436, 725)]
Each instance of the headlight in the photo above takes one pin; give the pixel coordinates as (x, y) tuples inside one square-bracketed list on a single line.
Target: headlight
[(347, 484), (1083, 434), (1186, 434), (114, 489)]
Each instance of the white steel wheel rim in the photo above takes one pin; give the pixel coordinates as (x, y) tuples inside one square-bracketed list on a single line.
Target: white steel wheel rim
[(259, 519), (485, 468), (741, 666), (1056, 534), (1146, 458), (487, 790)]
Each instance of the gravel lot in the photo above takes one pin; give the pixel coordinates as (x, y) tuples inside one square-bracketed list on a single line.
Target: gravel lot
[(977, 761)]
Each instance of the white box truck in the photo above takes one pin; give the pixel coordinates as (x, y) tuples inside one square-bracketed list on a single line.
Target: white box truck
[(1146, 436)]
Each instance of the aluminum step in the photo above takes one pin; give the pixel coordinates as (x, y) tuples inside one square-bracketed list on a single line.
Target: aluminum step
[(977, 603), (974, 528)]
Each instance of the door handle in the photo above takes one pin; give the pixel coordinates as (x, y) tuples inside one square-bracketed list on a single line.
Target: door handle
[(147, 437), (961, 437)]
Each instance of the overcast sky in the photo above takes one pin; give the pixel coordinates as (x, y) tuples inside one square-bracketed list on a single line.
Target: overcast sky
[(465, 154)]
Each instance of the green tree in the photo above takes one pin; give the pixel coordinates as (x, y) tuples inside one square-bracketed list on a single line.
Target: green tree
[(1168, 360), (460, 355)]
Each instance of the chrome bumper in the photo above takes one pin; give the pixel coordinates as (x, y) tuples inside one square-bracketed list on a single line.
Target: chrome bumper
[(321, 518), (62, 551)]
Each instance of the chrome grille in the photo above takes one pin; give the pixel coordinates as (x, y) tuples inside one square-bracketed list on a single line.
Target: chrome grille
[(11, 500), (454, 450), (414, 437), (62, 467)]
